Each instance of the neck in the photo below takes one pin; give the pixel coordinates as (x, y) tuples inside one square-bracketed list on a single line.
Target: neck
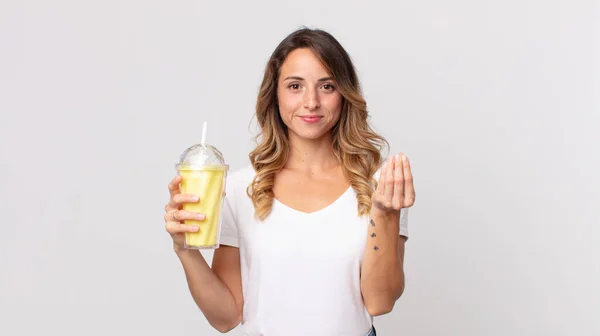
[(311, 156)]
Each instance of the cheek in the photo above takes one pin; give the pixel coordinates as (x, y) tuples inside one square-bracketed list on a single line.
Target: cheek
[(335, 105), (288, 103)]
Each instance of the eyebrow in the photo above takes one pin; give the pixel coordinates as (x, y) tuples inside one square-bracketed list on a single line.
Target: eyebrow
[(300, 78)]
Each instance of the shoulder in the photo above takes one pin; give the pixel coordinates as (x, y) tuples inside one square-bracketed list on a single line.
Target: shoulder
[(377, 173), (236, 197), (240, 178)]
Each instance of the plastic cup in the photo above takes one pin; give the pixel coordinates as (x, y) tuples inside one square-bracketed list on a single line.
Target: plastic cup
[(204, 174)]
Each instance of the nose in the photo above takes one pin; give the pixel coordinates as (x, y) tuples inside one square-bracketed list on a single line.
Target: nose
[(311, 100)]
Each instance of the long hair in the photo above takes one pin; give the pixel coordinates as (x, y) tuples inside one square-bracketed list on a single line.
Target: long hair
[(355, 144)]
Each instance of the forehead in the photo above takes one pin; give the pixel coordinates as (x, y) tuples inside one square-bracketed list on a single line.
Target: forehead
[(303, 62)]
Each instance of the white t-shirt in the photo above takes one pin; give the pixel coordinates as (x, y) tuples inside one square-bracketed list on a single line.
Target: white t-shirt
[(300, 271)]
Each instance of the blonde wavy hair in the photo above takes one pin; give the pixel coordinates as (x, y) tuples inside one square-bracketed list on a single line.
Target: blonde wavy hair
[(357, 147)]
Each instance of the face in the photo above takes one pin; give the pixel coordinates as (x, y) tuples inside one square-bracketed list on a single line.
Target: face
[(309, 103)]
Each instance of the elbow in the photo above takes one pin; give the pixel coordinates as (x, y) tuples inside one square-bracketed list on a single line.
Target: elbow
[(227, 327), (223, 329), (384, 304), (381, 308)]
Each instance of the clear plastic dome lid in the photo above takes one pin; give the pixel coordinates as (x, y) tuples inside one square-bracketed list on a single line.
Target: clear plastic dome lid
[(202, 156)]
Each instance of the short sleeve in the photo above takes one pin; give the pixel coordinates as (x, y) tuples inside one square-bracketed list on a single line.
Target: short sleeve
[(229, 228), (403, 213), (404, 222)]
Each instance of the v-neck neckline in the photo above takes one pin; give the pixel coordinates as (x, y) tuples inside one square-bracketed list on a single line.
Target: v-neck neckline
[(304, 213)]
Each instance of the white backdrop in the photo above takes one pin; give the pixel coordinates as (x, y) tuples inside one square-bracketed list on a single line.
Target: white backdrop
[(494, 102)]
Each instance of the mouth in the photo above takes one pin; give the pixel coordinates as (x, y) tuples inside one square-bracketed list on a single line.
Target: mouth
[(311, 119)]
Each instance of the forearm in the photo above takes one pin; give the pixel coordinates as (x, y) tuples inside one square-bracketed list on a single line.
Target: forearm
[(212, 296), (382, 274)]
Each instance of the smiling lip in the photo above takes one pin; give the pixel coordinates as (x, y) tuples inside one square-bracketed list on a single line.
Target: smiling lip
[(311, 119)]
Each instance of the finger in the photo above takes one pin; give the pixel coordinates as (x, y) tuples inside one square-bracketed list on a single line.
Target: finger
[(179, 216), (409, 187), (380, 184), (178, 200), (170, 217), (398, 198), (389, 182), (174, 228), (182, 215), (174, 185)]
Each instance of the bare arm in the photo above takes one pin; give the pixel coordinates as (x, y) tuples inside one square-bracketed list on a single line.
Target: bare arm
[(216, 291), (382, 273), (382, 276)]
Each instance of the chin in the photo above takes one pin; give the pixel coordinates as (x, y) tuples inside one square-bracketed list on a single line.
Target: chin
[(310, 134)]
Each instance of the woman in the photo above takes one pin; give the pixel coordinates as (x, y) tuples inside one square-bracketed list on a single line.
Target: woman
[(312, 238)]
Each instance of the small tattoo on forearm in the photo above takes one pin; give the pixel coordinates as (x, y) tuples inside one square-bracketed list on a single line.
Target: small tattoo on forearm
[(372, 223), (373, 235), (376, 248)]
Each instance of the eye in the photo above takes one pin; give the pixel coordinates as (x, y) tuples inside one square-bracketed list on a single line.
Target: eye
[(328, 87), (294, 86)]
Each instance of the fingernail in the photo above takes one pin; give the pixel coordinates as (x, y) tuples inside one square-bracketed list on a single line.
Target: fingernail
[(200, 216), (194, 228), (404, 158), (194, 198)]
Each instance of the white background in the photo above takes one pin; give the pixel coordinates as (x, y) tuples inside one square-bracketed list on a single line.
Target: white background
[(495, 103)]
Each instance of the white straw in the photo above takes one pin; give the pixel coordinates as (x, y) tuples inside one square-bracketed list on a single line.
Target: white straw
[(203, 134)]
